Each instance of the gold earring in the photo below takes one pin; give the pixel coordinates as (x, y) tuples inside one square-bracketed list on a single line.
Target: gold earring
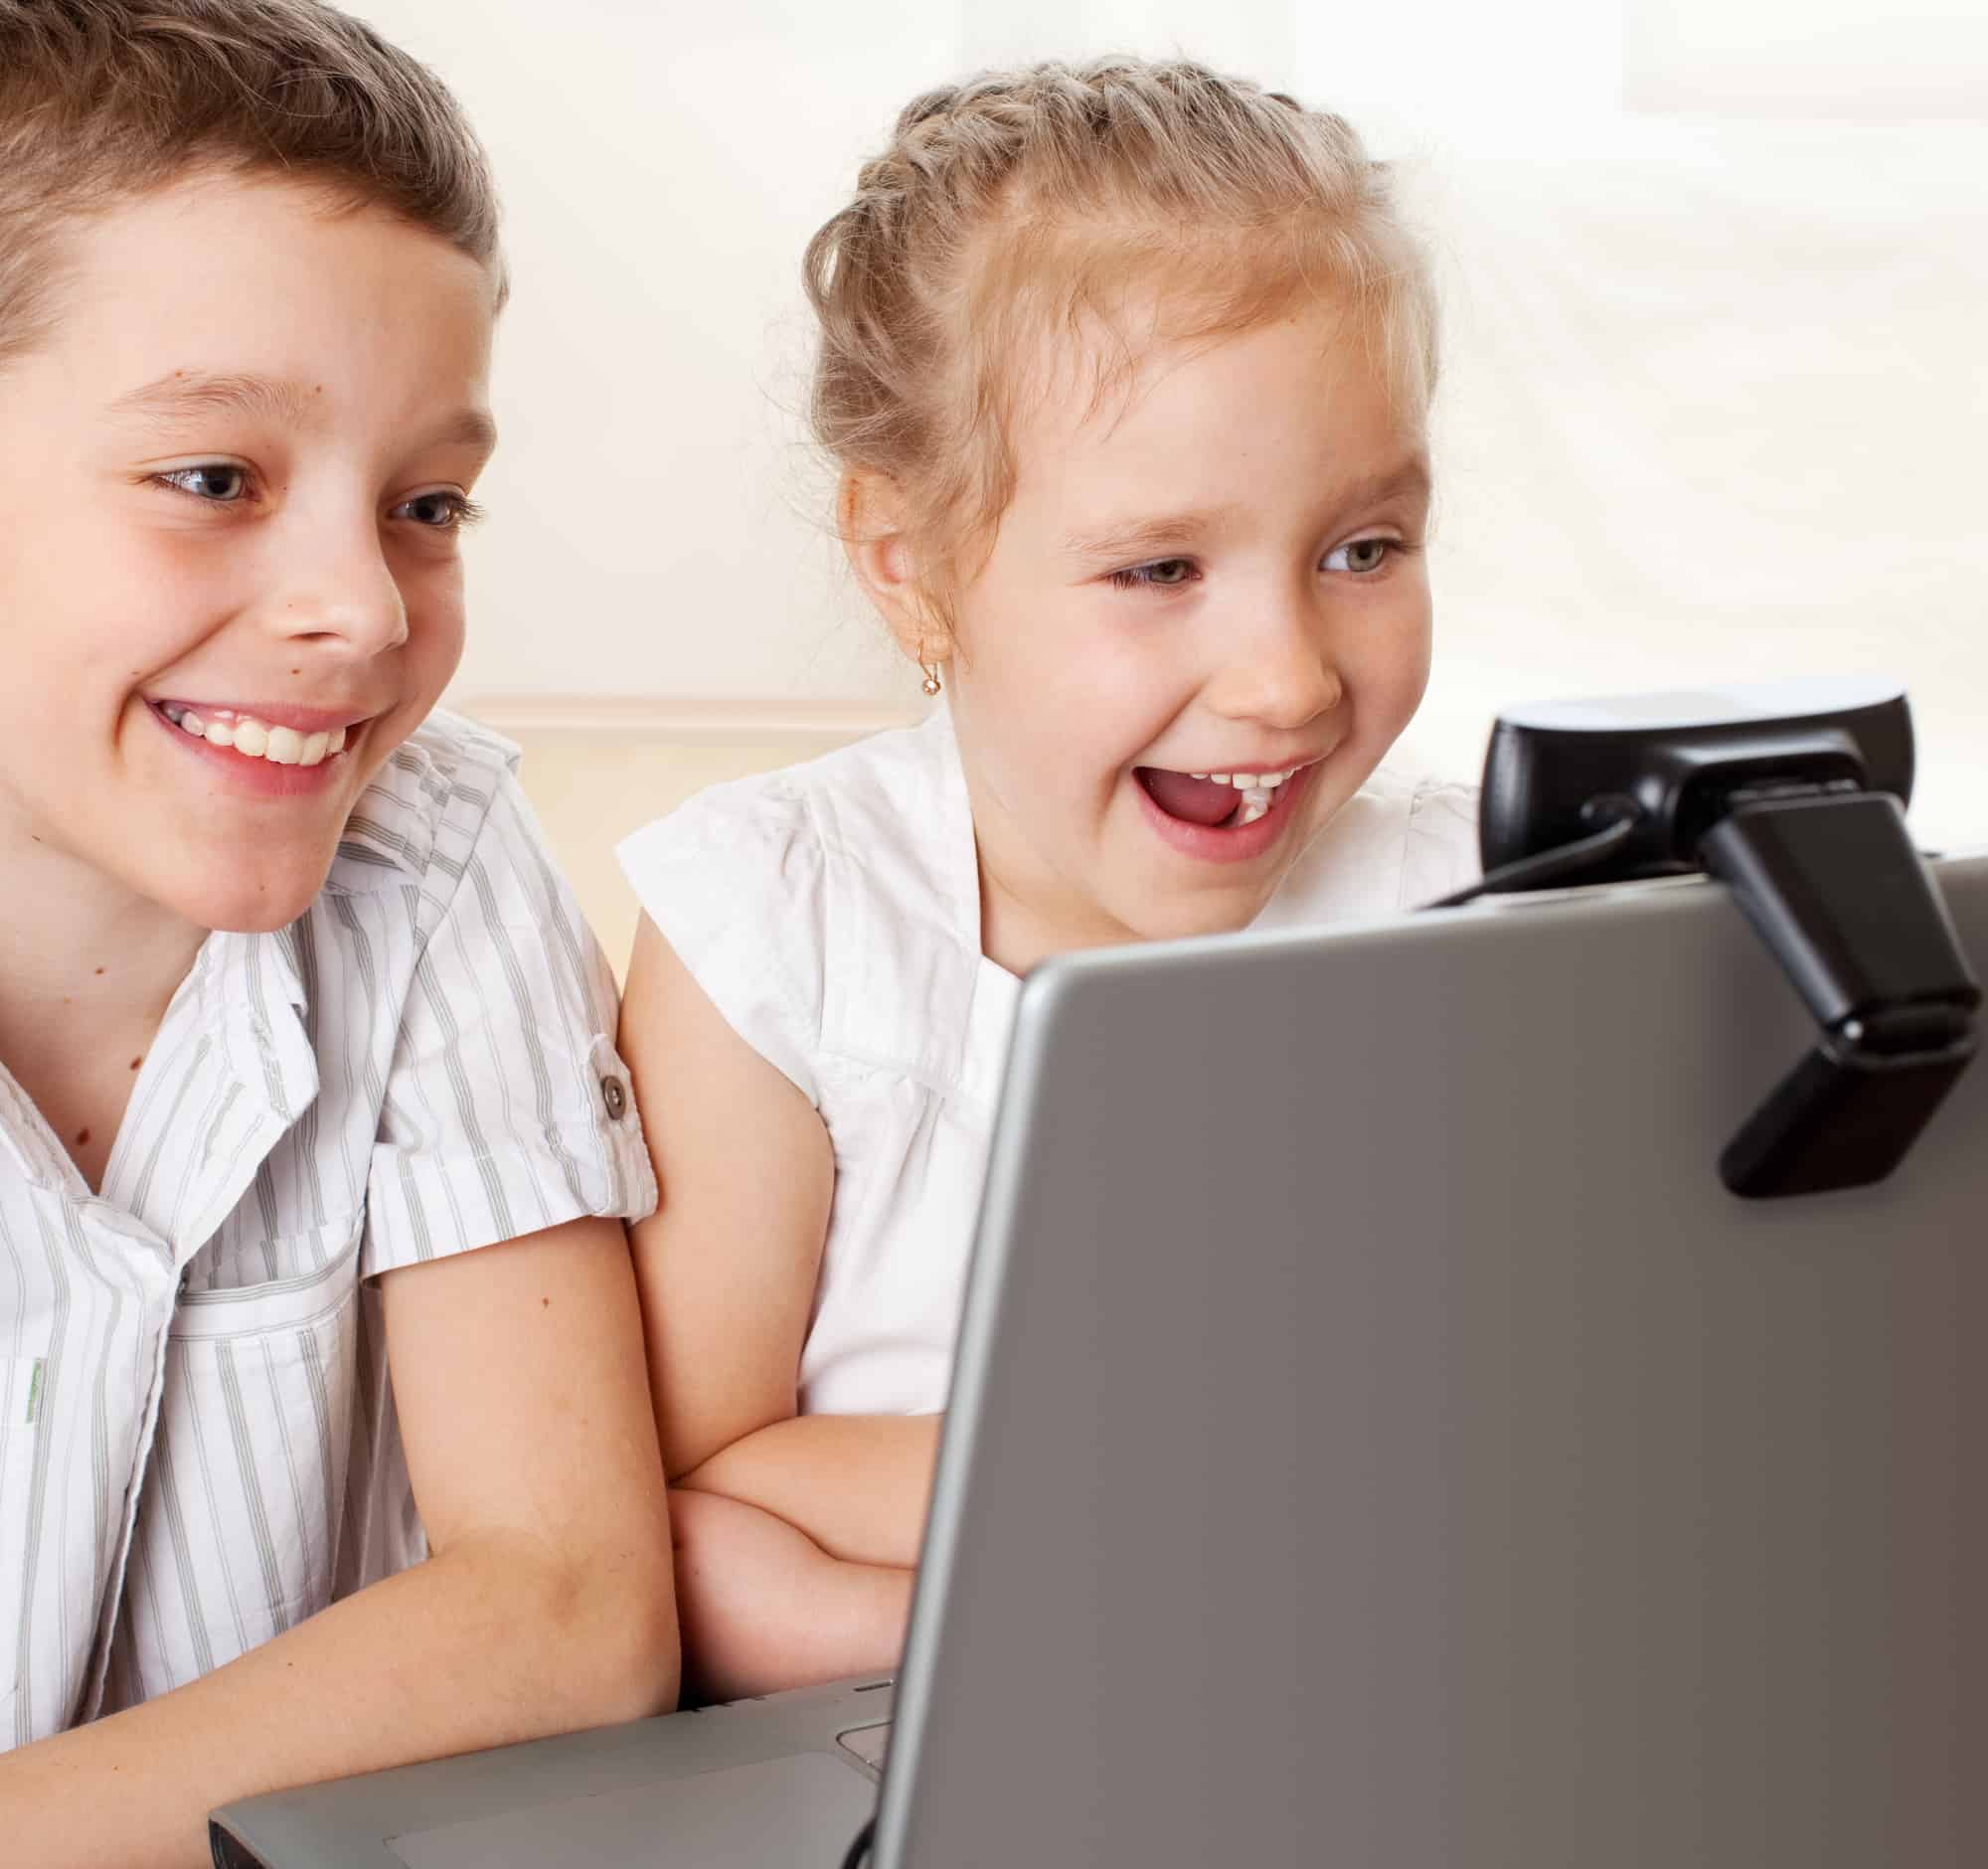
[(933, 684)]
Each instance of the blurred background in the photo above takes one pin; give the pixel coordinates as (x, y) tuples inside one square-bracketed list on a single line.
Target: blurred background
[(1716, 280)]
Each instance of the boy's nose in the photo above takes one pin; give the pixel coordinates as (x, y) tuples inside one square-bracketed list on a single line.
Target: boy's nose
[(343, 598)]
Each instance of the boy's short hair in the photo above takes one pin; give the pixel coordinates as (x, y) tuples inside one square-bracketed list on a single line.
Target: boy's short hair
[(104, 100)]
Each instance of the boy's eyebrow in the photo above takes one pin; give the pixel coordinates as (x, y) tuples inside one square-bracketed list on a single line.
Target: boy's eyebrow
[(188, 392), (1407, 477)]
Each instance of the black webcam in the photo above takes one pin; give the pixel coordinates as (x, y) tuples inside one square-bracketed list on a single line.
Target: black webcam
[(1793, 794)]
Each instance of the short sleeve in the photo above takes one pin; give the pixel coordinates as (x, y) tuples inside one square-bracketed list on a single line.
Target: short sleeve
[(507, 1110), (1440, 854), (734, 882)]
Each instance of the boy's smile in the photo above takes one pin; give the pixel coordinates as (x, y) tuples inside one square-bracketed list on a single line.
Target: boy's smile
[(233, 476)]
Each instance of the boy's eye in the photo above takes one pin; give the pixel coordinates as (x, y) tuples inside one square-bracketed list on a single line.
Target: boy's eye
[(1163, 574), (214, 483), (1360, 555), (440, 512)]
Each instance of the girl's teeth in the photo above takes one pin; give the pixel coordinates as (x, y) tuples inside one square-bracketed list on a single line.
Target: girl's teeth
[(281, 745), (1247, 781)]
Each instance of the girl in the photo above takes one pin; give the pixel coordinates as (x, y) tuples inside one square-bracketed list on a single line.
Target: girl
[(1125, 370)]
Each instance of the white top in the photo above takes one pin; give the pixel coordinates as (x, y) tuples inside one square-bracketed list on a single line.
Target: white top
[(832, 914), (198, 1444)]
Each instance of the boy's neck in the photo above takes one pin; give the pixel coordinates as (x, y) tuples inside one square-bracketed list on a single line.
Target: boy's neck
[(91, 971)]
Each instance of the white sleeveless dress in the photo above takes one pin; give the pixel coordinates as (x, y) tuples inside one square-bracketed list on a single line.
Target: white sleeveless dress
[(831, 911)]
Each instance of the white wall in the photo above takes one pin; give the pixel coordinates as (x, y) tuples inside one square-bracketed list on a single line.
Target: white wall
[(1715, 384)]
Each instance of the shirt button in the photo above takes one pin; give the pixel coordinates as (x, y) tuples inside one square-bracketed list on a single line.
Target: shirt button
[(614, 1096)]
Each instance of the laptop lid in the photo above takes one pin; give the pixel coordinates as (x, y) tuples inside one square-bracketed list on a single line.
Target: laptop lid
[(1392, 1446)]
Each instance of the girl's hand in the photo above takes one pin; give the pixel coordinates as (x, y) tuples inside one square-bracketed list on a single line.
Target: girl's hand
[(763, 1606)]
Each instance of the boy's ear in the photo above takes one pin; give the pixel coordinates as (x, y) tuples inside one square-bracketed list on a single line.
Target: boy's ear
[(870, 515)]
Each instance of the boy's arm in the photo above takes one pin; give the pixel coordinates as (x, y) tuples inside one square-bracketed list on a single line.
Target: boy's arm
[(764, 1607), (857, 1485), (547, 1603)]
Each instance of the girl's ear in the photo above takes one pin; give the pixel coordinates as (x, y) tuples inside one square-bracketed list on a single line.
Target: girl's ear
[(870, 515)]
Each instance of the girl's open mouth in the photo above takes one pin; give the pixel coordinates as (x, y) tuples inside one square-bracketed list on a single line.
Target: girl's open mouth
[(1220, 817)]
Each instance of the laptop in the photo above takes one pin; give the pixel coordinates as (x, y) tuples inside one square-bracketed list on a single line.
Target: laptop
[(1380, 1438)]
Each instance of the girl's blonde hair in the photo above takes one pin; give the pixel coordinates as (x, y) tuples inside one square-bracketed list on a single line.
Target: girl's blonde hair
[(1024, 206)]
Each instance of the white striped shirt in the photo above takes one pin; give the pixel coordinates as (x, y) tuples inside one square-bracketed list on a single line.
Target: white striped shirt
[(198, 1444)]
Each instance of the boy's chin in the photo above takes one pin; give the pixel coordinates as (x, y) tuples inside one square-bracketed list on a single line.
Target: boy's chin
[(256, 899)]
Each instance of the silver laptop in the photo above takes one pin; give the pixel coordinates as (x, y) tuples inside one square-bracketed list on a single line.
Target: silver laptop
[(1378, 1439)]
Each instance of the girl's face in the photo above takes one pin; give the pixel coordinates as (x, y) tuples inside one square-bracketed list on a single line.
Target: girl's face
[(1219, 574)]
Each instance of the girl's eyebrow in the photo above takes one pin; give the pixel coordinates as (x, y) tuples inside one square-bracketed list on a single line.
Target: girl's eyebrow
[(1122, 536), (1172, 530), (206, 392), (1407, 477)]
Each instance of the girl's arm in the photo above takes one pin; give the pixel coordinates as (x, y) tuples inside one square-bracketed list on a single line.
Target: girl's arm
[(764, 1607), (726, 1265), (857, 1485)]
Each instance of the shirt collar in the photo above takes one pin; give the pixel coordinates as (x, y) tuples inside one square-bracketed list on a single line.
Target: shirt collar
[(247, 1070)]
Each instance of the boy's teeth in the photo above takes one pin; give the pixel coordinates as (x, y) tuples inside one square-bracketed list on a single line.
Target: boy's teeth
[(281, 745)]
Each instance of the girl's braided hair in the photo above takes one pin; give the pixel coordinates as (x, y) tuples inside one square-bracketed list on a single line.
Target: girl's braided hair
[(1054, 200)]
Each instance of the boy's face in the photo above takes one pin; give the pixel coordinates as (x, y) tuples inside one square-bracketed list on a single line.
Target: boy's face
[(232, 479)]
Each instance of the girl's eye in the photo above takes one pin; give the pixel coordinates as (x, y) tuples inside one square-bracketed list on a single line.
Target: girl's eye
[(440, 512), (1360, 555), (1163, 574), (215, 485)]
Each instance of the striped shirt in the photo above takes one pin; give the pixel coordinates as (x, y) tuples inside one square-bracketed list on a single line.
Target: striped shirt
[(198, 1444)]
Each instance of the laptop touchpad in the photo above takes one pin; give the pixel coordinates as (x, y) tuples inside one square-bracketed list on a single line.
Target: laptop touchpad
[(803, 1811)]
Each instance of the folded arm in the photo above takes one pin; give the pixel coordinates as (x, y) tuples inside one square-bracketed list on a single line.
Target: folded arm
[(821, 1515), (856, 1484), (764, 1607)]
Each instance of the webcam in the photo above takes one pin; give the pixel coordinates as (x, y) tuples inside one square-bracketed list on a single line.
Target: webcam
[(1793, 794)]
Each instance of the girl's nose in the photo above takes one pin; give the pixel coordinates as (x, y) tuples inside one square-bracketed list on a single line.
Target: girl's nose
[(1282, 677)]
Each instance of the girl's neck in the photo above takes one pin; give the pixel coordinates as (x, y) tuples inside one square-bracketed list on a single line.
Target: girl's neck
[(1029, 915)]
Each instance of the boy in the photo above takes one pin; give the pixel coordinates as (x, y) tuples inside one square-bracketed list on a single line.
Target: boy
[(296, 1013)]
